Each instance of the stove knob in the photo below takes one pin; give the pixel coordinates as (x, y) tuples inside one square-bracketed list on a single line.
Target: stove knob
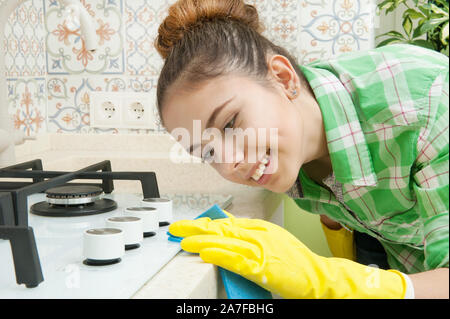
[(133, 231), (103, 246), (149, 216), (164, 207)]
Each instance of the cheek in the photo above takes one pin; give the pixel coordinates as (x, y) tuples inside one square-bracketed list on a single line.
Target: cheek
[(289, 129), (261, 125), (225, 170), (265, 114)]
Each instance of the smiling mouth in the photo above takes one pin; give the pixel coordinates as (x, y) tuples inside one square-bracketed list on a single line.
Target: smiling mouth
[(260, 167)]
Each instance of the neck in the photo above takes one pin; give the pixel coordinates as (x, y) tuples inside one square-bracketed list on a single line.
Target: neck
[(314, 138)]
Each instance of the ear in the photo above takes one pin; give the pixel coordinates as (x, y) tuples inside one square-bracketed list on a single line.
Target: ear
[(282, 72)]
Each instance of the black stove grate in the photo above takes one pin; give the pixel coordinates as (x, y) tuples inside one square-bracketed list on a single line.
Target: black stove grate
[(98, 207), (14, 205)]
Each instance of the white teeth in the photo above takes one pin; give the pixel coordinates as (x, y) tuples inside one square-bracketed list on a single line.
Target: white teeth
[(256, 176), (262, 166), (259, 172)]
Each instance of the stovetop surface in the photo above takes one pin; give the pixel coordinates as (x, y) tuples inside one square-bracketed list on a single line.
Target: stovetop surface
[(59, 242)]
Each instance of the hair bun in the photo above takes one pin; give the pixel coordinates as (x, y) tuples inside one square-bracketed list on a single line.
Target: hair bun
[(184, 15)]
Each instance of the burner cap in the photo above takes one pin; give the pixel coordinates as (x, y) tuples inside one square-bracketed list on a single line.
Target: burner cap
[(73, 194), (100, 206)]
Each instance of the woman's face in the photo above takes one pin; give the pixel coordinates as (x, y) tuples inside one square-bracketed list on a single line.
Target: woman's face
[(250, 107)]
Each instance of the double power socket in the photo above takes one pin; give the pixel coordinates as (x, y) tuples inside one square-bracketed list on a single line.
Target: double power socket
[(132, 110)]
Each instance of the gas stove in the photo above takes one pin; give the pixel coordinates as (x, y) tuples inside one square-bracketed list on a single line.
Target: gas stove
[(44, 220)]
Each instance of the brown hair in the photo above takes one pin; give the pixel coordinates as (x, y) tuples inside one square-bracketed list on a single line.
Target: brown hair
[(203, 39)]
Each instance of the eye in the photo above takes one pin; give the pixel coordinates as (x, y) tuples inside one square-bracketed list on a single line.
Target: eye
[(208, 155), (230, 124)]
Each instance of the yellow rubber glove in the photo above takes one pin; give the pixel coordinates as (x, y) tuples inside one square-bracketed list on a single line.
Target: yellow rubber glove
[(340, 242), (273, 258)]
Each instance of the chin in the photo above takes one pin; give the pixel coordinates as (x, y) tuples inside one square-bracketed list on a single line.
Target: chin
[(275, 186), (279, 189), (285, 185), (278, 183)]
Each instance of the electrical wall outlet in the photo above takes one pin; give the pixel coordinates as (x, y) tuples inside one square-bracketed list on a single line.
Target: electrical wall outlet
[(122, 110), (137, 111), (105, 110)]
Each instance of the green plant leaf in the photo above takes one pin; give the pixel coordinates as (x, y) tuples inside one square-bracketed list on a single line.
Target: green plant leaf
[(392, 8), (394, 34), (432, 20), (383, 3), (386, 4), (407, 26), (423, 43), (443, 3), (444, 34), (389, 41), (445, 50), (424, 10), (438, 10), (413, 14), (418, 30), (434, 8), (430, 25)]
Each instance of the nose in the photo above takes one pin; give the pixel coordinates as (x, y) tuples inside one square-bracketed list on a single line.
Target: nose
[(243, 169), (240, 161), (237, 167), (240, 170)]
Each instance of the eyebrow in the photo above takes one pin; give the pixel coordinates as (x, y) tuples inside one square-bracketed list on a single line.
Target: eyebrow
[(211, 121)]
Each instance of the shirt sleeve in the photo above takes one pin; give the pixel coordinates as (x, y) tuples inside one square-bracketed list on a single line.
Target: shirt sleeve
[(431, 183)]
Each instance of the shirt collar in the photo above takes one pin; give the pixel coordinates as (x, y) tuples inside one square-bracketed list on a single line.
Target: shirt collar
[(349, 153)]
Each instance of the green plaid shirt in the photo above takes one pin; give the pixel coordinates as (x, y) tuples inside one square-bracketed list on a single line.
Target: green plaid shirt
[(385, 113)]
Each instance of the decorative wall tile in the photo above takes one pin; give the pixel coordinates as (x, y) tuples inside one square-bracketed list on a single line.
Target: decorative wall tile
[(315, 29), (284, 28), (143, 84), (66, 51), (332, 27), (51, 90), (24, 41), (285, 5), (142, 19), (27, 104)]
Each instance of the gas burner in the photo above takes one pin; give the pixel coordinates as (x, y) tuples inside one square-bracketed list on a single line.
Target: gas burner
[(73, 200), (73, 195)]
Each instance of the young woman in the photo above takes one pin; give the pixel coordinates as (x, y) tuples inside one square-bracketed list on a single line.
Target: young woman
[(362, 141)]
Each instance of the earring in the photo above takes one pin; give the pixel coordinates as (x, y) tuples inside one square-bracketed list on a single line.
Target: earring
[(294, 92)]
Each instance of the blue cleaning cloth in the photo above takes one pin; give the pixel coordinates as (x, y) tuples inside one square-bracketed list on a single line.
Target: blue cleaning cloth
[(236, 286)]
